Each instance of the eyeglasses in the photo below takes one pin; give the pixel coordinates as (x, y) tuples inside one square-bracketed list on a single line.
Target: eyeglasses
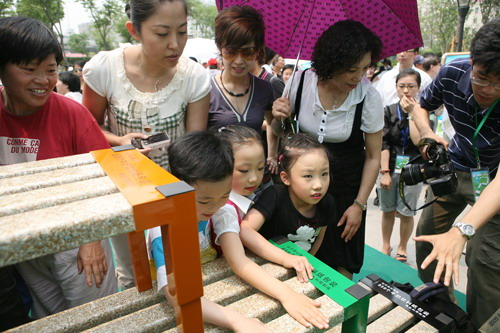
[(484, 83), (409, 86), (247, 53)]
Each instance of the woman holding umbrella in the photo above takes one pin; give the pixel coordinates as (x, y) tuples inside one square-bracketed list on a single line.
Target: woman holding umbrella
[(335, 104)]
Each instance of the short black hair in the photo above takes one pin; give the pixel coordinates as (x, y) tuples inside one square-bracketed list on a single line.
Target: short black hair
[(81, 63), (270, 54), (296, 146), (287, 66), (485, 47), (409, 72), (238, 135), (71, 80), (201, 155), (342, 46), (430, 60), (23, 39)]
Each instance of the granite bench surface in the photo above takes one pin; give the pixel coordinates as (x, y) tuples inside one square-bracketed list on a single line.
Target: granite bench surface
[(58, 204), (130, 311)]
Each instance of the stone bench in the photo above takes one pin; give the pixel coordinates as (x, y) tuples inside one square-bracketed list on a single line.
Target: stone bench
[(58, 204), (131, 311), (50, 206)]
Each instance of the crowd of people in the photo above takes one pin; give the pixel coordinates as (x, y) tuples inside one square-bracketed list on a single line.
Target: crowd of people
[(355, 125)]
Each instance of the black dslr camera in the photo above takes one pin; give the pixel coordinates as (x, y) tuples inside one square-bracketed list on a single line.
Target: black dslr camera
[(438, 171)]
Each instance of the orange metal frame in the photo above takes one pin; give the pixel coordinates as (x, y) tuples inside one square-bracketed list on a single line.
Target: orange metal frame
[(137, 177)]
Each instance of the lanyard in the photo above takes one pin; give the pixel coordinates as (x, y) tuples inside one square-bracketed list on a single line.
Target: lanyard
[(478, 128), (403, 133)]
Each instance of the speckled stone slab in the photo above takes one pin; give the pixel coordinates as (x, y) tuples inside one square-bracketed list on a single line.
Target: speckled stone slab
[(46, 179), (422, 327), (23, 236), (395, 320), (92, 314), (15, 170), (56, 195)]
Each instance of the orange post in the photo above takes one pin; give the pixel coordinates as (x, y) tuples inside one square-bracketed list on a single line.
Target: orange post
[(137, 178)]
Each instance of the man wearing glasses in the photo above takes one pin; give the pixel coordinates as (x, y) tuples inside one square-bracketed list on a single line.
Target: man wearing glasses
[(386, 86), (470, 91)]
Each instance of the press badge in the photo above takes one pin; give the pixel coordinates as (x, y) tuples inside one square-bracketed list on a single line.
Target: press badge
[(401, 161), (480, 179)]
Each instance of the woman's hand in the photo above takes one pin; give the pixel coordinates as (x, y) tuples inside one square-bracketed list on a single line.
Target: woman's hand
[(281, 108), (272, 165), (127, 139), (352, 218), (304, 310), (301, 265), (408, 103), (386, 181)]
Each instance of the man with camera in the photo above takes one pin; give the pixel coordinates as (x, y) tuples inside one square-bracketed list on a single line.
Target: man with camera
[(470, 91)]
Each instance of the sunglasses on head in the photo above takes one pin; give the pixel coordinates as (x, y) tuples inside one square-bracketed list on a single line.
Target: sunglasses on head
[(247, 53)]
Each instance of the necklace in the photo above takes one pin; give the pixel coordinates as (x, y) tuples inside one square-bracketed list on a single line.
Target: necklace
[(230, 92), (144, 71), (156, 85)]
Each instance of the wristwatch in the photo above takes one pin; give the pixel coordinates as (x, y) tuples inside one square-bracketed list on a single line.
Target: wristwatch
[(467, 230), (360, 205)]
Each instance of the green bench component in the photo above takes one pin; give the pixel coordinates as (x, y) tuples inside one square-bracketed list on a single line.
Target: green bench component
[(351, 297)]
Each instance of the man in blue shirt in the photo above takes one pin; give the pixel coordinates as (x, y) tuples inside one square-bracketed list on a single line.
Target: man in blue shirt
[(470, 90)]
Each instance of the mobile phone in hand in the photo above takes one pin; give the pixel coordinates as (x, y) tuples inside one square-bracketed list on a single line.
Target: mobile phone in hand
[(154, 141)]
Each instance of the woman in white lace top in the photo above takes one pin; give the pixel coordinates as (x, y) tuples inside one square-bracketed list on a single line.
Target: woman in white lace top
[(139, 90)]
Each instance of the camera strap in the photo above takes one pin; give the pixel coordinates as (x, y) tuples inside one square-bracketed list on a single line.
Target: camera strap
[(401, 187)]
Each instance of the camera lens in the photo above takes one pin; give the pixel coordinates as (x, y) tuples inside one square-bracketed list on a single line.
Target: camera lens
[(411, 174)]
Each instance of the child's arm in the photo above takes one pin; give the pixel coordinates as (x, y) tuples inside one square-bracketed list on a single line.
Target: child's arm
[(261, 247), (318, 241), (299, 306), (216, 314)]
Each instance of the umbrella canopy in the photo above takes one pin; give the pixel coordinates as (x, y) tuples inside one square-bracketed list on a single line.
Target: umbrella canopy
[(292, 24)]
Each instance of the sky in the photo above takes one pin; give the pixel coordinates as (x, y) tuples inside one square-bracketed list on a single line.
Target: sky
[(75, 14)]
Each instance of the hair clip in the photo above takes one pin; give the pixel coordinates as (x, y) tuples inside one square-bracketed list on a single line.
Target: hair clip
[(280, 157), (221, 129)]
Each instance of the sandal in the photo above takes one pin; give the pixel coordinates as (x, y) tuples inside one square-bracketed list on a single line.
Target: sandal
[(401, 257)]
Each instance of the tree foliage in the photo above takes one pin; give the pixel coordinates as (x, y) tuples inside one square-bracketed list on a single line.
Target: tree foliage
[(203, 16), (50, 12), (104, 19), (6, 8), (438, 23), (489, 9), (122, 30), (78, 43)]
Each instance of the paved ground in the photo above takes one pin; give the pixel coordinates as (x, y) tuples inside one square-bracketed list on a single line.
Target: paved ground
[(374, 237)]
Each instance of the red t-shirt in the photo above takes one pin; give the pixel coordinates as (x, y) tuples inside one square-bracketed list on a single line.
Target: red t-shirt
[(62, 127)]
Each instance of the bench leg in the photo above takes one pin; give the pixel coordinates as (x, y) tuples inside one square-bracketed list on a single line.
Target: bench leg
[(358, 319), (140, 262)]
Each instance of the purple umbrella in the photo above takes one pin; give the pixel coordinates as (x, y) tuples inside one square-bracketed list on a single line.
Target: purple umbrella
[(292, 25)]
